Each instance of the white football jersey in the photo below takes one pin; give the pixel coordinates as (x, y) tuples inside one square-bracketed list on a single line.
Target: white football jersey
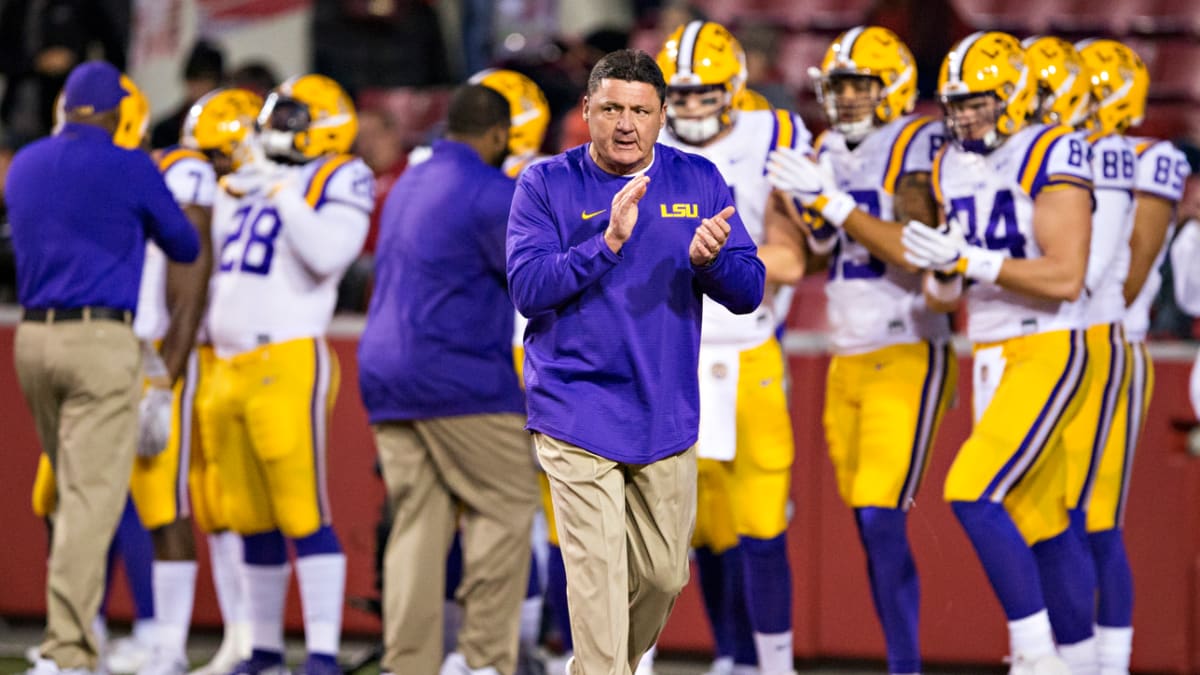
[(872, 304), (263, 291), (741, 157), (1162, 171), (992, 197), (1113, 168), (191, 179)]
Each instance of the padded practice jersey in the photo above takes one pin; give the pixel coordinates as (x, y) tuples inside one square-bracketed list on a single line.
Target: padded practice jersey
[(192, 180), (1162, 171), (992, 197), (1113, 169), (741, 157), (264, 291), (872, 304)]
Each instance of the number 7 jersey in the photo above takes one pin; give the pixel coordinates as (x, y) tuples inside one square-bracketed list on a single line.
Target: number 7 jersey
[(264, 290), (992, 197)]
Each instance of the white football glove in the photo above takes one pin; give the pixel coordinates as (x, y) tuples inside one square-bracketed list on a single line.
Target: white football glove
[(945, 249), (154, 421), (812, 184)]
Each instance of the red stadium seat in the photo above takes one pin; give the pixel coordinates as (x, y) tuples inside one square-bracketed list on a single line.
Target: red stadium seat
[(1174, 71), (1022, 17), (1085, 18), (1169, 120), (1178, 17), (797, 54), (730, 12), (827, 15)]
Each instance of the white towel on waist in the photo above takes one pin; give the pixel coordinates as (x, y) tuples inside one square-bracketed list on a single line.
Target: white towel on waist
[(718, 402)]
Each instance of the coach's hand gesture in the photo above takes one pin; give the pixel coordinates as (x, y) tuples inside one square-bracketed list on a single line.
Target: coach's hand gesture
[(624, 213), (710, 237)]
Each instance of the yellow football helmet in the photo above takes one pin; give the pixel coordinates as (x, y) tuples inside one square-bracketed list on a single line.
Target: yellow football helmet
[(220, 121), (306, 117), (868, 51), (529, 109), (1120, 83), (703, 55), (1063, 81), (134, 116), (989, 63)]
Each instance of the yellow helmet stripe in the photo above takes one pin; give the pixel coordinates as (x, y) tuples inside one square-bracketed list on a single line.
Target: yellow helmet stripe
[(316, 186), (900, 150), (1036, 155), (687, 47), (174, 155)]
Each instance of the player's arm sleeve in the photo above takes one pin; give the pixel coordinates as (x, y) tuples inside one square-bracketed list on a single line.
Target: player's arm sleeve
[(162, 219), (1162, 171), (327, 227), (491, 221), (1185, 252), (192, 181), (1057, 159), (542, 276), (736, 278)]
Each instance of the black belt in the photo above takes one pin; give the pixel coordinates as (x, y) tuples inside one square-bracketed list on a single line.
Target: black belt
[(77, 314)]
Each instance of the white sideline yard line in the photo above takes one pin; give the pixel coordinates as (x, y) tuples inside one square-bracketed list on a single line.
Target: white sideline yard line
[(797, 343)]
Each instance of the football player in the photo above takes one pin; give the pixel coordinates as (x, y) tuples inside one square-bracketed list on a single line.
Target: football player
[(286, 225), (893, 370), (181, 484), (1064, 97), (1018, 196), (1120, 83), (745, 444)]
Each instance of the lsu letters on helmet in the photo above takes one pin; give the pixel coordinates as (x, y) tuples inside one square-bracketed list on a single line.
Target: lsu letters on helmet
[(1063, 81), (133, 116), (701, 56), (1120, 83), (306, 117), (988, 63), (868, 51), (527, 105), (220, 121)]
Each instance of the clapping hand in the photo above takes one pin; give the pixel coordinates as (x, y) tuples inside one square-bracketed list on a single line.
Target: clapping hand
[(623, 213), (710, 238), (945, 249)]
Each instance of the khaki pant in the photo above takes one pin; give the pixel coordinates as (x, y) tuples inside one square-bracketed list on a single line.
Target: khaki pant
[(473, 471), (624, 531), (81, 380)]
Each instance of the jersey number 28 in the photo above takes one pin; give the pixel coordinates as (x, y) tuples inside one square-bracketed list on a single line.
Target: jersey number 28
[(251, 246)]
